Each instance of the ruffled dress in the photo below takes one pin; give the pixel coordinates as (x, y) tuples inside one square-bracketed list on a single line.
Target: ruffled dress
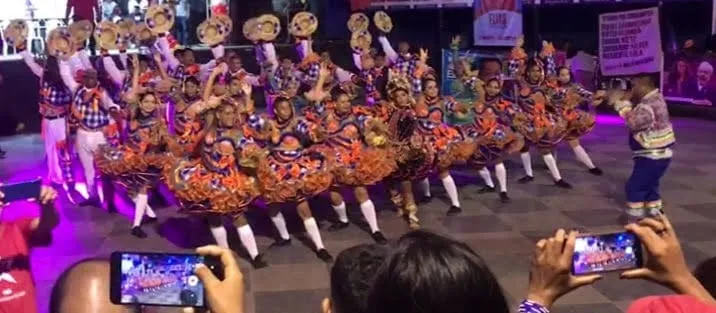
[(494, 140), (447, 142), (186, 127), (567, 100), (414, 154), (539, 126)]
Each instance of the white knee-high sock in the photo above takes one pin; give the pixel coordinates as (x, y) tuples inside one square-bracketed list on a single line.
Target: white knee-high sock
[(313, 232), (501, 174), (451, 190), (219, 234), (246, 235), (149, 212), (425, 184), (341, 212), (140, 204), (486, 177), (583, 157), (552, 165), (280, 224), (368, 210), (527, 163)]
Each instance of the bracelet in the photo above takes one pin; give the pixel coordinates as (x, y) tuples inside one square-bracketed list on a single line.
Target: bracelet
[(528, 306)]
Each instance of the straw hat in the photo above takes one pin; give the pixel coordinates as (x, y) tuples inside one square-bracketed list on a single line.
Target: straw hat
[(159, 18), (303, 24), (126, 33), (358, 22), (360, 41), (249, 29), (213, 31), (80, 31), (143, 35), (107, 35), (382, 21), (16, 33), (60, 44), (268, 27)]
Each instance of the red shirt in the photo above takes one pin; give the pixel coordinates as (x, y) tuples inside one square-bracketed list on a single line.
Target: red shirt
[(84, 9), (17, 289)]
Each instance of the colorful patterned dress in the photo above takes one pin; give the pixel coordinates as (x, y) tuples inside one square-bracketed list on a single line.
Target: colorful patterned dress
[(494, 139), (567, 100), (187, 127), (539, 126), (446, 141)]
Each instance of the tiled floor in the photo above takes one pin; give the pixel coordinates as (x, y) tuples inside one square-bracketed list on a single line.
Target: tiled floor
[(502, 233)]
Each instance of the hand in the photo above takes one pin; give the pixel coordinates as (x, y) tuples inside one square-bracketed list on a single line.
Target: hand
[(221, 68), (615, 95), (456, 40), (246, 88), (423, 55), (324, 72), (47, 195), (222, 296), (550, 272), (158, 58)]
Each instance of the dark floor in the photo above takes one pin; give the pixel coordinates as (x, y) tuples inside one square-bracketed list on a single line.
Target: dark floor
[(503, 234)]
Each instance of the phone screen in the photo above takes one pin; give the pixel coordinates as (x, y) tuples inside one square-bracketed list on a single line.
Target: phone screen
[(156, 279), (21, 191), (606, 252)]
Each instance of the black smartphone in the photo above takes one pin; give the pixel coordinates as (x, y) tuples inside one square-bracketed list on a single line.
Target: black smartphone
[(597, 253), (21, 191), (159, 279)]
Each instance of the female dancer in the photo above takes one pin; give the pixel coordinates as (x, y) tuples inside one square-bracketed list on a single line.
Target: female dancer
[(541, 128), (567, 99), (446, 141), (495, 140)]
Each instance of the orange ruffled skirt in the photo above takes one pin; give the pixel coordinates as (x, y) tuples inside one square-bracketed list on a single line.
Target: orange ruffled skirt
[(295, 178), (543, 135), (494, 147), (131, 169), (359, 164), (579, 123)]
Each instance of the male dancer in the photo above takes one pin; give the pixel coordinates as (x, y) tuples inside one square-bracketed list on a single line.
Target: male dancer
[(651, 136)]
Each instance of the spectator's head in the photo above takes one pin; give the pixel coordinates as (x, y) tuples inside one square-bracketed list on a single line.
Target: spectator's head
[(380, 59), (286, 64), (148, 102), (493, 87), (534, 72), (191, 87), (490, 68), (92, 277), (89, 78), (188, 57), (706, 274), (352, 277), (226, 115), (642, 85), (235, 63), (283, 109), (704, 72), (403, 47), (430, 273), (564, 76), (430, 87)]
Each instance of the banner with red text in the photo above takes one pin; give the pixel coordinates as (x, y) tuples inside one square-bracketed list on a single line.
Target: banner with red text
[(630, 42), (497, 22)]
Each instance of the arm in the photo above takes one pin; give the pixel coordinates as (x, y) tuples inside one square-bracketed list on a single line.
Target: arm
[(114, 73), (210, 82), (84, 58), (107, 102), (302, 48), (388, 49), (204, 69), (172, 61), (343, 75), (356, 61), (162, 70), (66, 75), (123, 58), (637, 118), (42, 226), (30, 62), (68, 9)]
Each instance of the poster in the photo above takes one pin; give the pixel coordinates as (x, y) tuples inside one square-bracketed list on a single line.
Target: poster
[(689, 78), (630, 42), (451, 71), (420, 3), (497, 22)]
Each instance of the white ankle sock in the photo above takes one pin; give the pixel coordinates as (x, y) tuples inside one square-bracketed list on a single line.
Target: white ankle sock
[(527, 163), (451, 190), (368, 210), (313, 232), (552, 165), (248, 240), (341, 212), (280, 224), (583, 157), (425, 184), (486, 177), (149, 212), (219, 233), (501, 174), (140, 204)]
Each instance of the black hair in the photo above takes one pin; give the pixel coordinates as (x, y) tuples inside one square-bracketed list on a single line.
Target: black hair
[(559, 70), (705, 273), (193, 80), (427, 272), (489, 60), (59, 289), (178, 53), (51, 73), (352, 277)]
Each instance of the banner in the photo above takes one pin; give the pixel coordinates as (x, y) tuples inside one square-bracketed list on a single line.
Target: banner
[(419, 3), (452, 70), (630, 42), (497, 22), (689, 78)]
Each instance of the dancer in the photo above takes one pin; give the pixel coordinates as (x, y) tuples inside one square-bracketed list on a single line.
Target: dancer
[(651, 138), (540, 127), (566, 100)]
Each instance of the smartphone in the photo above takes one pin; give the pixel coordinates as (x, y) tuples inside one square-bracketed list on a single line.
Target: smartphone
[(21, 191), (159, 279), (606, 252)]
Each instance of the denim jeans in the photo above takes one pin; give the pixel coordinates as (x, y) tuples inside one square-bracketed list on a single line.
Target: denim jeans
[(181, 29)]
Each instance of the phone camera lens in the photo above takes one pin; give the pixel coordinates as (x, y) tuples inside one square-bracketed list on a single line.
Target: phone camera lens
[(188, 297)]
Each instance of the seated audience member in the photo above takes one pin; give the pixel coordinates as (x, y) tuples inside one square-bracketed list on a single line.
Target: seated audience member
[(705, 273), (352, 276), (17, 237), (670, 304)]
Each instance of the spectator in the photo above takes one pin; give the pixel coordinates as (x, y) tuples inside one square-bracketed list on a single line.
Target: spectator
[(108, 9), (705, 89), (352, 277), (18, 237), (132, 6), (680, 80), (117, 15), (670, 304), (181, 26), (84, 10), (706, 274)]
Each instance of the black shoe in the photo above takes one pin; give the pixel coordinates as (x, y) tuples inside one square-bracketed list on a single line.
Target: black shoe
[(504, 197), (486, 189), (2, 154), (379, 238), (259, 262), (111, 208), (453, 210), (425, 199), (92, 201), (324, 255), (338, 226), (596, 171), (138, 232), (149, 220), (281, 243), (563, 184), (526, 179)]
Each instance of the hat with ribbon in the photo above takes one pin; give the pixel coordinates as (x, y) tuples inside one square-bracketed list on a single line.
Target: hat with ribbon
[(143, 35), (107, 35), (80, 31), (360, 42), (303, 24), (16, 33), (250, 29), (383, 21), (268, 27), (358, 22), (159, 18), (213, 31), (60, 43)]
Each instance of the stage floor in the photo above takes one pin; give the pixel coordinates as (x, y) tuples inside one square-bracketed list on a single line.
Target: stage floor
[(503, 234)]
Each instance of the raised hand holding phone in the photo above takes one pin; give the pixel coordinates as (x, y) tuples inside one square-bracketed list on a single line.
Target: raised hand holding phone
[(28, 190), (222, 295)]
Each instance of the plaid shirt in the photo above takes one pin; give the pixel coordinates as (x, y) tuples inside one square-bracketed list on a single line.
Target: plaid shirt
[(92, 115), (54, 101), (407, 65)]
